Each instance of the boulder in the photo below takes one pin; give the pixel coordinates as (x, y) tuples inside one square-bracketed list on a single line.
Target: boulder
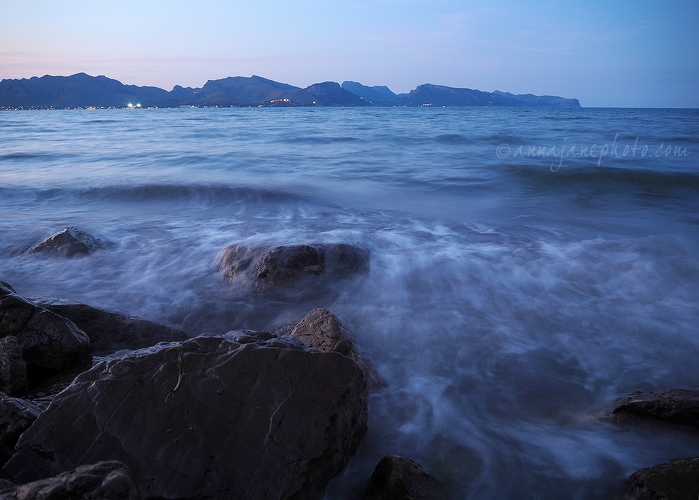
[(320, 329), (16, 415), (397, 478), (48, 341), (677, 406), (209, 417), (109, 480), (110, 332), (13, 369), (269, 270), (67, 243), (674, 480)]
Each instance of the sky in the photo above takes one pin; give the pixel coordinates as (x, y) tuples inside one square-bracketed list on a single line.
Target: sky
[(611, 54)]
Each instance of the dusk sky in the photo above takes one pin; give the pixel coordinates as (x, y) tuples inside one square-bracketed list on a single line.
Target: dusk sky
[(616, 53)]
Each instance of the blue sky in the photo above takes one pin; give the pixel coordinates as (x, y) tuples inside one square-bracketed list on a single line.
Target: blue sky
[(615, 53)]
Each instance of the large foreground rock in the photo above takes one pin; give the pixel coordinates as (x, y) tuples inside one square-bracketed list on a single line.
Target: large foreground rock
[(675, 480), (207, 417), (48, 341), (67, 243), (271, 270), (101, 481), (677, 406), (398, 478), (110, 332)]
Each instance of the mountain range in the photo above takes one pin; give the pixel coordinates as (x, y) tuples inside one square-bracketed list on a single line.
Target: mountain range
[(82, 90)]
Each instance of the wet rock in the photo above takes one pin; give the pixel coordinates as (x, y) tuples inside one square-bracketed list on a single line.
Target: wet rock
[(677, 406), (206, 417), (109, 480), (67, 243), (16, 415), (110, 332), (48, 341), (320, 329), (13, 369), (675, 480), (284, 266), (397, 478)]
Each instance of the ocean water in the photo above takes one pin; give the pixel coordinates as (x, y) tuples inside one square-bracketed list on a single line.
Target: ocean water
[(528, 267)]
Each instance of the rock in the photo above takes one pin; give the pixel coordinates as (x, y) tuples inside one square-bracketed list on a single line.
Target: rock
[(320, 329), (48, 341), (110, 332), (285, 266), (16, 415), (677, 406), (13, 369), (397, 478), (67, 243), (208, 417), (675, 480), (109, 480)]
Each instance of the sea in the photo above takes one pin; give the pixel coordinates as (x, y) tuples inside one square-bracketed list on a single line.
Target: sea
[(528, 266)]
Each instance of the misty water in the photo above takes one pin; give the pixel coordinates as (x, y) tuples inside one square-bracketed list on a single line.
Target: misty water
[(514, 292)]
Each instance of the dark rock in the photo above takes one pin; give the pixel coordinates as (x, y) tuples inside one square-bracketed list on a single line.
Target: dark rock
[(16, 415), (13, 369), (109, 480), (675, 480), (322, 330), (282, 266), (207, 417), (110, 332), (67, 243), (397, 478), (677, 406), (48, 341)]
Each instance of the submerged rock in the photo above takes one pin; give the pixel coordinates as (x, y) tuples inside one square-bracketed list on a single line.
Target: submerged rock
[(398, 478), (109, 480), (48, 341), (674, 480), (67, 243), (110, 332), (16, 415), (208, 417), (271, 269), (677, 406)]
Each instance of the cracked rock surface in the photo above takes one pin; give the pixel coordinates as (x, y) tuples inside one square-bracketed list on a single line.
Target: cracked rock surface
[(208, 417)]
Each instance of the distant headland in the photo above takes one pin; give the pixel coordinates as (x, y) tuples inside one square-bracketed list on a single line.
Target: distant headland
[(85, 91)]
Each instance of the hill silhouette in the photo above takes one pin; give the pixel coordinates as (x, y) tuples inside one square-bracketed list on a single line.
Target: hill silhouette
[(82, 90)]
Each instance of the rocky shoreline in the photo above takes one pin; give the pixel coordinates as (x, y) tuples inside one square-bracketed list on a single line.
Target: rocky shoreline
[(95, 404)]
